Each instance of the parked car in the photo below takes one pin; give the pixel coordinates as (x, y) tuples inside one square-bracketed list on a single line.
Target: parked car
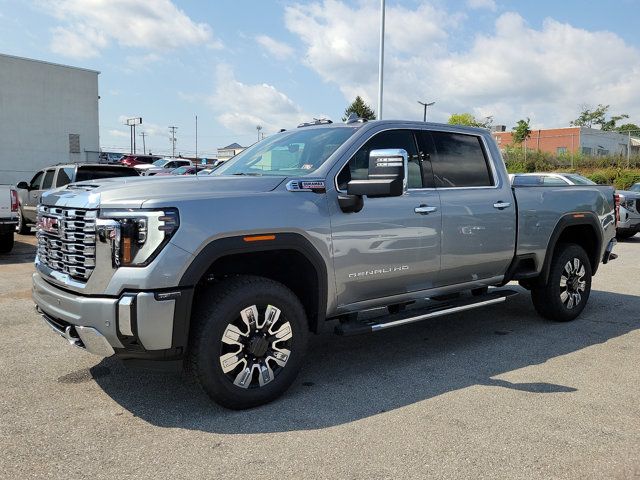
[(133, 160), (629, 223), (164, 165), (229, 273), (205, 171), (635, 187), (110, 157), (540, 178), (58, 176), (8, 217)]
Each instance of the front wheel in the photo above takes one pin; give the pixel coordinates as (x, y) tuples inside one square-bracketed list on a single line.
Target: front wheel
[(248, 341), (568, 287)]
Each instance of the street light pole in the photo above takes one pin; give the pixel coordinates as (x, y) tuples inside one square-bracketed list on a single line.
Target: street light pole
[(424, 117), (381, 61)]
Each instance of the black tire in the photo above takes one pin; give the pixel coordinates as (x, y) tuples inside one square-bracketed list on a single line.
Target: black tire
[(218, 310), (568, 288), (22, 228), (6, 242), (625, 234)]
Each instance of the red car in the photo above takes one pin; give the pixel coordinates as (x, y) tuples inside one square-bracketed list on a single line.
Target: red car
[(133, 160)]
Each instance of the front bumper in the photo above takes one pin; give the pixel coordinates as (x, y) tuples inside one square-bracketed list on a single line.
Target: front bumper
[(135, 323)]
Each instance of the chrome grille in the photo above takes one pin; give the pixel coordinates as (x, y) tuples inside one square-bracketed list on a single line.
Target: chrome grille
[(67, 240)]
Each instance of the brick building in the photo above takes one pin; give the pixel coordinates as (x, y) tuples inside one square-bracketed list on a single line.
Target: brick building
[(587, 141)]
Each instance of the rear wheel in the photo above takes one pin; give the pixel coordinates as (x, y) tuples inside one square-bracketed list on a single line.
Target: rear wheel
[(6, 242), (568, 287), (248, 341), (22, 228)]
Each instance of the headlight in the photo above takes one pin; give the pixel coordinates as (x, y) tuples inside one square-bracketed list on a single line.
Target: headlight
[(136, 236)]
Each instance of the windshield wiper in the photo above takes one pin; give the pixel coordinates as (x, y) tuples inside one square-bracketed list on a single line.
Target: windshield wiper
[(250, 174)]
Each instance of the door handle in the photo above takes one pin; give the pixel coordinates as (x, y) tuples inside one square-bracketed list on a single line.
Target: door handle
[(425, 209), (501, 205)]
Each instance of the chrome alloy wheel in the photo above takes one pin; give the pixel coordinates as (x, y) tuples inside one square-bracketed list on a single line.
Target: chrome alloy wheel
[(572, 283), (254, 351)]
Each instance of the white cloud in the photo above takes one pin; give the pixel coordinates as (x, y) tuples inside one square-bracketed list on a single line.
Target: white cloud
[(119, 133), (90, 26), (516, 71), (277, 49), (241, 107), (480, 4)]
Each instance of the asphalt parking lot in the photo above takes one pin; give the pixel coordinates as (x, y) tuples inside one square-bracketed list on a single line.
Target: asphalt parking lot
[(495, 393)]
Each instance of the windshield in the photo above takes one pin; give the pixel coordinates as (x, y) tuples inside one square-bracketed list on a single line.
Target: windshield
[(580, 180), (298, 152), (635, 187), (160, 163), (179, 170)]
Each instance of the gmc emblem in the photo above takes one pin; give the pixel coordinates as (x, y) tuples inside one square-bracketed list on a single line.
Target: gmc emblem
[(49, 225)]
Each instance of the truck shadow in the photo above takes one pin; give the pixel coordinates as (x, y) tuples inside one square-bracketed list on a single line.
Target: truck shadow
[(23, 252), (347, 379)]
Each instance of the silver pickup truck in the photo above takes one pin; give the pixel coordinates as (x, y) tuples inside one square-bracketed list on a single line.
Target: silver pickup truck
[(304, 231), (8, 217)]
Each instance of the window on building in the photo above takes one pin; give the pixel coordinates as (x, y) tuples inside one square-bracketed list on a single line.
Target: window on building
[(603, 152), (561, 150), (587, 151), (74, 143), (459, 161)]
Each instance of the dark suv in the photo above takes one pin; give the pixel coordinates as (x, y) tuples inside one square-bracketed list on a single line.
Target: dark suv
[(58, 176)]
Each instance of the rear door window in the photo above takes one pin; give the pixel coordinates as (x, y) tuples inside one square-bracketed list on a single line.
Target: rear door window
[(48, 179), (460, 161)]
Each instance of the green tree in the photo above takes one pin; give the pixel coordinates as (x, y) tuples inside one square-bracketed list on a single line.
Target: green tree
[(632, 127), (521, 131), (360, 108), (597, 117), (469, 120)]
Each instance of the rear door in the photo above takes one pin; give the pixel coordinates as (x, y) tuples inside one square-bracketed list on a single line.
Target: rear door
[(478, 211), (392, 246)]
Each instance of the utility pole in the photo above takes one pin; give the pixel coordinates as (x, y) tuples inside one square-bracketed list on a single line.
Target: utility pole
[(196, 138), (144, 143), (424, 117), (629, 149), (258, 128), (381, 61), (173, 140)]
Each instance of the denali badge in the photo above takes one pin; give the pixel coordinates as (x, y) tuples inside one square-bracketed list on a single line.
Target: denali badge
[(379, 271)]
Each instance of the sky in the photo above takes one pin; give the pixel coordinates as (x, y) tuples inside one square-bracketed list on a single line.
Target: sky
[(239, 64)]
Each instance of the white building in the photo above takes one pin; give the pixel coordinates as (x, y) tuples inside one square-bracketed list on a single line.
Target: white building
[(48, 115), (225, 153)]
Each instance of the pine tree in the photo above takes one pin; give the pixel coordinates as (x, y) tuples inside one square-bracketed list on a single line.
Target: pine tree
[(360, 108)]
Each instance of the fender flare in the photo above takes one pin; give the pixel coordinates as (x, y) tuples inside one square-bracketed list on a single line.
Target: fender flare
[(283, 241), (566, 221)]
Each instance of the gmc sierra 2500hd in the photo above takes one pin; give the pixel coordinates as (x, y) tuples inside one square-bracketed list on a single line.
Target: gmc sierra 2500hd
[(227, 274)]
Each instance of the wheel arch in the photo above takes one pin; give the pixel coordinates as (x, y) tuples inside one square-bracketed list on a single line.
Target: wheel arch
[(288, 258), (581, 228)]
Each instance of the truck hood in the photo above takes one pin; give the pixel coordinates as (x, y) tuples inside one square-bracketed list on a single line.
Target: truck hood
[(629, 195), (133, 192)]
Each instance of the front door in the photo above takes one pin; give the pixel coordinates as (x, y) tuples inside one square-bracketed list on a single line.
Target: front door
[(392, 246)]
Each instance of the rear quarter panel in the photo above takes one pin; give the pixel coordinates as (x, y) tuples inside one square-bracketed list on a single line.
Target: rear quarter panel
[(540, 209)]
